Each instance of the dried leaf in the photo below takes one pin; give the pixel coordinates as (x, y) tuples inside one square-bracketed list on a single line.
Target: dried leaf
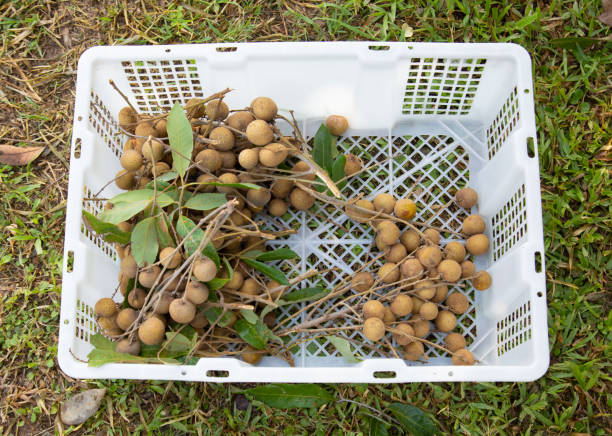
[(82, 406), (12, 155), (606, 16)]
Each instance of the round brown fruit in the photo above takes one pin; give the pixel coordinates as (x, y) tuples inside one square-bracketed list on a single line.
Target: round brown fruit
[(301, 200), (457, 303), (411, 268), (425, 289), (236, 281), (128, 118), (389, 316), (206, 178), (199, 321), (196, 292), (468, 269), (204, 269), (463, 357), (441, 293), (136, 298), (337, 124), (454, 342), (161, 130), (248, 158), (272, 155), (414, 351), (405, 209), (182, 311), (374, 329), (148, 276), (163, 304), (105, 307), (252, 356), (264, 108), (389, 272), (304, 170), (446, 321), (224, 138), (388, 232), (258, 197), (373, 309), (195, 107), (482, 281), (410, 239), (449, 270), (466, 198), (227, 178), (421, 328), (217, 110), (473, 225), (384, 203), (396, 253), (131, 160), (160, 168), (277, 207), (240, 120), (416, 304), (151, 331), (228, 159), (250, 287), (174, 283), (428, 311), (281, 188), (170, 257), (124, 346), (153, 150), (209, 159), (258, 132), (125, 179), (361, 216), (401, 337), (477, 244), (362, 281), (455, 250), (353, 165), (429, 256), (401, 305), (432, 236), (125, 318), (143, 131)]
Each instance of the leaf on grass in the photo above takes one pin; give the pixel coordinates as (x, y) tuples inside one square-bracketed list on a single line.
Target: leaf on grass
[(12, 155), (183, 227), (344, 347), (306, 294), (145, 244), (571, 43), (176, 343), (206, 201), (413, 419), (180, 137), (278, 254), (324, 148), (292, 396), (249, 315), (255, 335), (213, 313), (606, 16), (526, 21), (273, 273), (109, 232), (377, 428), (234, 185)]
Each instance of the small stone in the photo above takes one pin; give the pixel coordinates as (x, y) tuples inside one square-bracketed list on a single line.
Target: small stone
[(81, 407)]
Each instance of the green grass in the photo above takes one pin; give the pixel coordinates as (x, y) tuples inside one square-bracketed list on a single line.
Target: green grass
[(572, 92)]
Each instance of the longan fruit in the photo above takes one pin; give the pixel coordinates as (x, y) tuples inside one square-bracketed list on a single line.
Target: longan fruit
[(380, 244), (454, 342), (160, 127), (170, 257), (425, 289), (199, 321), (414, 350), (248, 158), (124, 346), (373, 308), (227, 178), (209, 159), (384, 203), (388, 232), (163, 304), (131, 160), (359, 215), (403, 339), (251, 356), (416, 305), (196, 292), (482, 281), (160, 168), (236, 281), (228, 159), (125, 318), (206, 178), (446, 321), (125, 226), (428, 311), (217, 110), (389, 316), (240, 120), (457, 303), (401, 305), (195, 107), (466, 198), (373, 329), (432, 236), (362, 281), (174, 283), (477, 244), (353, 165), (136, 298), (304, 169), (258, 132), (148, 276), (389, 272), (410, 239), (224, 137), (337, 124), (151, 331), (455, 250), (272, 155), (204, 269), (405, 209), (281, 188), (143, 131), (411, 268), (473, 225), (258, 197), (463, 357), (129, 267), (182, 311), (105, 307), (125, 179), (421, 328), (254, 242), (250, 287), (123, 283), (441, 293), (468, 269), (128, 118), (301, 200), (429, 256), (449, 270), (264, 108), (240, 217), (153, 150), (131, 144), (277, 207), (396, 253), (218, 239)]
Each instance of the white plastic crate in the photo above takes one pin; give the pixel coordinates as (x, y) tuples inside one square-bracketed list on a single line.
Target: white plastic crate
[(450, 114)]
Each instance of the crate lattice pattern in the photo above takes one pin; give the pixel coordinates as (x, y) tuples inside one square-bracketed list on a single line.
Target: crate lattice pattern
[(504, 123), (95, 207), (85, 324), (105, 125), (515, 329), (442, 86), (157, 85), (509, 225)]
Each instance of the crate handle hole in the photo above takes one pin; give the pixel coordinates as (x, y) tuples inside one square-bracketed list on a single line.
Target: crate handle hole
[(167, 50), (77, 148), (538, 261), (80, 118), (66, 321), (70, 261), (379, 47), (540, 294), (183, 372), (227, 49), (217, 373), (526, 91), (450, 373), (530, 147), (385, 374)]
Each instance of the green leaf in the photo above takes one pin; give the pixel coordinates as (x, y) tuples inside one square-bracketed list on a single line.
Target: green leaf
[(526, 21), (252, 254), (144, 242), (306, 294), (167, 177), (571, 43), (101, 342), (377, 428), (278, 254), (337, 172), (249, 315), (344, 347), (213, 313), (286, 396), (255, 335), (234, 185), (97, 357), (183, 227), (413, 419), (218, 282), (109, 232), (176, 343), (209, 251), (130, 203), (163, 232), (324, 148), (273, 273), (180, 137), (206, 201)]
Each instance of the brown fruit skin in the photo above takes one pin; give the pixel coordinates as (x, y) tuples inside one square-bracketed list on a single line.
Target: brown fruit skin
[(258, 132), (353, 164), (199, 321), (389, 272), (473, 225), (217, 110), (416, 305), (125, 179), (468, 269), (429, 256), (281, 188), (228, 159), (362, 281), (240, 120), (466, 198), (127, 119), (421, 328), (209, 159), (373, 308), (250, 287), (441, 293), (124, 346), (160, 168), (414, 351), (272, 155), (227, 178), (425, 289), (396, 253), (105, 307), (446, 321), (131, 160), (384, 203), (125, 226), (163, 305), (258, 197), (428, 311), (380, 244), (449, 270), (195, 107), (277, 207), (389, 316), (148, 276), (454, 342), (457, 303), (236, 281), (373, 329), (301, 200), (151, 332), (136, 298), (204, 269), (170, 257), (182, 311), (264, 108), (153, 150), (248, 158), (405, 209), (482, 281), (389, 233), (411, 268), (477, 244), (359, 215), (304, 169), (161, 130), (126, 318), (403, 339), (143, 131), (411, 240), (250, 355), (463, 357), (432, 236), (131, 144), (196, 292), (455, 250), (175, 284), (401, 305), (337, 124), (206, 178), (224, 137)]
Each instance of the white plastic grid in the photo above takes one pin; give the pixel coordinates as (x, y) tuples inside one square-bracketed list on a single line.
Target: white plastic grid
[(515, 329), (85, 324), (509, 224), (95, 207), (442, 86), (507, 118), (105, 124)]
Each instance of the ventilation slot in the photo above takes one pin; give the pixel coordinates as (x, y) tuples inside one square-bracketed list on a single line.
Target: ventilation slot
[(95, 207), (514, 330), (85, 324), (510, 224), (105, 124), (503, 124)]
